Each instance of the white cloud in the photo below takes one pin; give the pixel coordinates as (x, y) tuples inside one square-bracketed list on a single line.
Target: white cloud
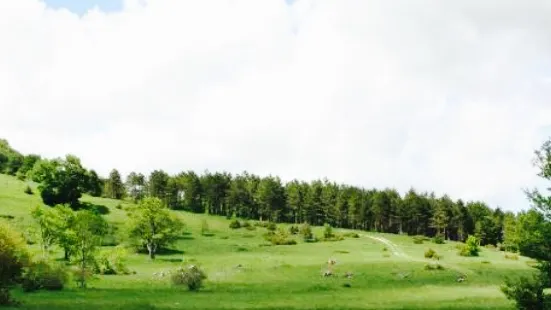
[(436, 95)]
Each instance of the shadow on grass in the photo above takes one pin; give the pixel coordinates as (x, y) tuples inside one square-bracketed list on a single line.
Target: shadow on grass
[(170, 260), (99, 209)]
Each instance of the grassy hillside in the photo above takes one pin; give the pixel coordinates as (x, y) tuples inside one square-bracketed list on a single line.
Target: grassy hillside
[(244, 272)]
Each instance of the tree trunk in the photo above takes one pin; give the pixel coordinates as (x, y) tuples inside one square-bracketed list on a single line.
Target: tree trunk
[(66, 254), (151, 249)]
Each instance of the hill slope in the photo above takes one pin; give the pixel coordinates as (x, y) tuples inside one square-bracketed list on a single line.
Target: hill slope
[(244, 272)]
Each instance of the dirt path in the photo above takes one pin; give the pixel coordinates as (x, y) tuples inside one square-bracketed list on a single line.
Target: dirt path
[(396, 251)]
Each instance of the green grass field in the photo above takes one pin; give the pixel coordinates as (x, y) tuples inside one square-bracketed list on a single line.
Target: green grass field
[(244, 272)]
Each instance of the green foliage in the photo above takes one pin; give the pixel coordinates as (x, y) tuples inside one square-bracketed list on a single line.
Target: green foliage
[(95, 184), (351, 235), (271, 226), (114, 188), (49, 227), (430, 253), (434, 266), (13, 258), (112, 262), (87, 230), (44, 275), (293, 229), (152, 226), (511, 256), (235, 224), (328, 231), (306, 232), (192, 277), (418, 239), (62, 181), (28, 190), (438, 239), (280, 237), (527, 293), (471, 247)]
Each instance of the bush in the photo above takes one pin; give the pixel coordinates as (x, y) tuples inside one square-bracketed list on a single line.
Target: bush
[(434, 266), (328, 231), (293, 230), (271, 226), (439, 239), (281, 237), (42, 275), (111, 262), (418, 239), (192, 277), (251, 227), (246, 224), (306, 232), (13, 258), (235, 224), (511, 256), (351, 235), (28, 190), (470, 248), (528, 294), (430, 253)]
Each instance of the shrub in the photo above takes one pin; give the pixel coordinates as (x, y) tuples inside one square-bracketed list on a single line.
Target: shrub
[(246, 224), (306, 232), (192, 277), (430, 253), (418, 239), (328, 231), (527, 293), (235, 224), (271, 226), (293, 230), (434, 266), (112, 262), (118, 207), (28, 190), (351, 235), (42, 275), (281, 237), (490, 247), (439, 239), (471, 247), (511, 256), (13, 258), (251, 227)]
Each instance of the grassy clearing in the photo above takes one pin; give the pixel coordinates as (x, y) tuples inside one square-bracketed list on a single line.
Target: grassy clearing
[(245, 272)]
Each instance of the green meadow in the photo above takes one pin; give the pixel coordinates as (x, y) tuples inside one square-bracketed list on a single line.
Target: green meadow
[(246, 272)]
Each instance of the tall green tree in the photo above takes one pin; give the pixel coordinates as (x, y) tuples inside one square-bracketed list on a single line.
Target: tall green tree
[(135, 185), (152, 226), (192, 192), (114, 188), (48, 227), (535, 241), (95, 184), (62, 181), (88, 228)]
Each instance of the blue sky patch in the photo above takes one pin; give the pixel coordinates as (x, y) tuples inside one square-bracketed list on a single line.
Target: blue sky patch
[(82, 6)]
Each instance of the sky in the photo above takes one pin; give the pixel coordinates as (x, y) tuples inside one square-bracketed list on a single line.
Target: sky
[(443, 96)]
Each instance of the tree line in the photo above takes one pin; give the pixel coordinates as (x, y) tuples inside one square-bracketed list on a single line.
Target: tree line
[(249, 196)]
